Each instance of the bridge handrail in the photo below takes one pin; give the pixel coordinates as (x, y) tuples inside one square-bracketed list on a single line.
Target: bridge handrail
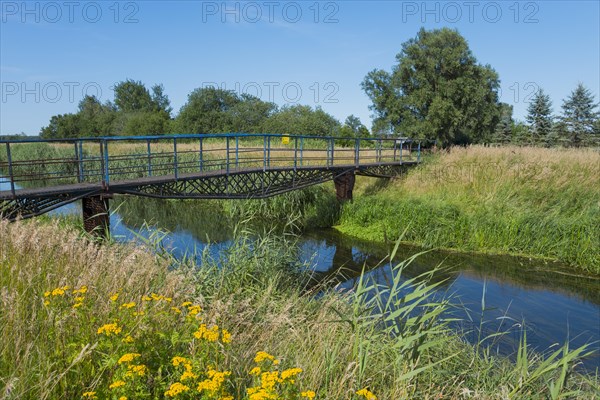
[(83, 167)]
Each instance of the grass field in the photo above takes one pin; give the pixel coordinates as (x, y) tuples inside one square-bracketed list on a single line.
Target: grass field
[(531, 201), (83, 320)]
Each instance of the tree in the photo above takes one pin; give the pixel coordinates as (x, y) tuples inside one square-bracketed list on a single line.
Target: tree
[(95, 118), (62, 126), (302, 120), (132, 96), (160, 100), (437, 91), (250, 114), (539, 114), (208, 111), (353, 127), (579, 113), (504, 129)]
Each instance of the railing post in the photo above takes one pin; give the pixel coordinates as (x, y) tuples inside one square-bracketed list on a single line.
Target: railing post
[(10, 170), (380, 149), (201, 158), (175, 158), (81, 165), (264, 153), (227, 156), (301, 151), (331, 140), (356, 152), (419, 152), (149, 157), (77, 162), (295, 153), (401, 148), (269, 151), (237, 150), (395, 149), (104, 154)]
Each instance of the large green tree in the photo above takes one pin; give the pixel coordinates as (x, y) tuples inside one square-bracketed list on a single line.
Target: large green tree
[(437, 90), (579, 112), (353, 127), (302, 120), (539, 115), (208, 111)]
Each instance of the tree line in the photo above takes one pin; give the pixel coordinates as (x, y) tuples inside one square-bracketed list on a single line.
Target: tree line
[(437, 91), (136, 110)]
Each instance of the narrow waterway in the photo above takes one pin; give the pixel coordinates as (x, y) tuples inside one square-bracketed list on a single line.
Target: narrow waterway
[(492, 293)]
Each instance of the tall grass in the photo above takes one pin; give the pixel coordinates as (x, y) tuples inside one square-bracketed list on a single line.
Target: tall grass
[(531, 201), (384, 339)]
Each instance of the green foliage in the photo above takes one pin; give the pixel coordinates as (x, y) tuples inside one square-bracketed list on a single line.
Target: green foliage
[(436, 91), (353, 127), (579, 115), (302, 120), (539, 114)]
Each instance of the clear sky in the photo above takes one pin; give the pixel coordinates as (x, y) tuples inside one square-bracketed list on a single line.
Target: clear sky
[(307, 52)]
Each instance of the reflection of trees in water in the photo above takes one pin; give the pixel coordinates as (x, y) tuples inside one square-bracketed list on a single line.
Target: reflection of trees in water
[(351, 255), (205, 220)]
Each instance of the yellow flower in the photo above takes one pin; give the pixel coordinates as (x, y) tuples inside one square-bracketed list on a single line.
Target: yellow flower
[(122, 398), (290, 373), (188, 375), (261, 356), (114, 297), (58, 292), (116, 384), (210, 335), (81, 290), (77, 305), (127, 339), (179, 360), (129, 357), (309, 394), (269, 379), (139, 370), (366, 394), (139, 313), (46, 294), (46, 302), (194, 310), (226, 336), (79, 299), (176, 310), (128, 305), (146, 298), (109, 329), (214, 383), (255, 371), (186, 303), (226, 398), (89, 395), (175, 389)]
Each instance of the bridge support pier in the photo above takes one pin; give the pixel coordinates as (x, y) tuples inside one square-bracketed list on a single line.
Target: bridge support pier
[(96, 217), (344, 184)]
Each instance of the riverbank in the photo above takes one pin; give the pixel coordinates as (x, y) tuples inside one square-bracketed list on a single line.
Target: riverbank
[(110, 320), (534, 202)]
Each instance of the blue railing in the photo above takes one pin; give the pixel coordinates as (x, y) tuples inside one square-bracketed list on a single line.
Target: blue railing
[(35, 163)]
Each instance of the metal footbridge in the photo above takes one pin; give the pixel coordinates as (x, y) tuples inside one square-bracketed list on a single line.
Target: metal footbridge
[(37, 176)]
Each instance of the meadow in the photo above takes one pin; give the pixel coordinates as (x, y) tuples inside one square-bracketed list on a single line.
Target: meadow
[(82, 319), (535, 202)]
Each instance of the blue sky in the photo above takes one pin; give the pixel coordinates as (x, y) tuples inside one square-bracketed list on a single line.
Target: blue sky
[(315, 53)]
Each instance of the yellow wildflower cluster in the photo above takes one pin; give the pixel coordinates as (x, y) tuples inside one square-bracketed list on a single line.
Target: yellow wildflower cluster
[(89, 395), (272, 381), (128, 305), (366, 394), (117, 384), (175, 389), (214, 382), (63, 291), (157, 297), (262, 356), (208, 334), (136, 370), (114, 297), (129, 357), (109, 329)]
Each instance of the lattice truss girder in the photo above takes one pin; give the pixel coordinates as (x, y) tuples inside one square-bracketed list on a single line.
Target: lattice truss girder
[(384, 171), (256, 184), (27, 207)]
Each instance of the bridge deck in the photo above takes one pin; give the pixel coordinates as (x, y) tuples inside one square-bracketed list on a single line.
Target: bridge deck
[(117, 186)]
